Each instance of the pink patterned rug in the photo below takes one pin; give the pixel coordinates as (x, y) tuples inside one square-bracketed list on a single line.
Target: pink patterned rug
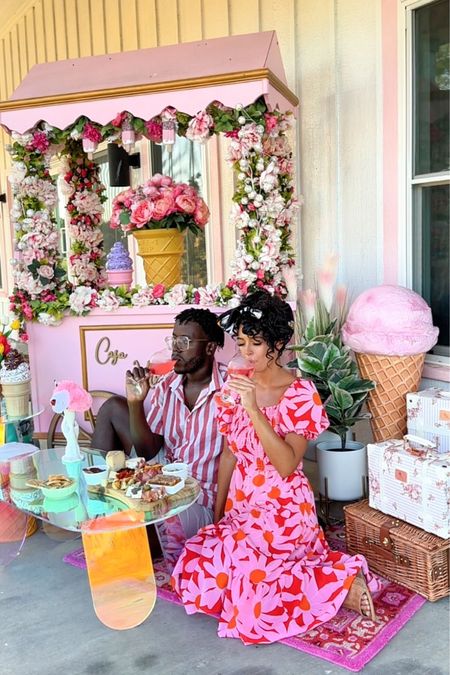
[(348, 640)]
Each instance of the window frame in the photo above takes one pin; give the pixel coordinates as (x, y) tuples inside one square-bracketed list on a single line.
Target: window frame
[(407, 180)]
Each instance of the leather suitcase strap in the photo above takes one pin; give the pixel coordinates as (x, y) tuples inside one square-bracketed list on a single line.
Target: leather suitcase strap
[(385, 547)]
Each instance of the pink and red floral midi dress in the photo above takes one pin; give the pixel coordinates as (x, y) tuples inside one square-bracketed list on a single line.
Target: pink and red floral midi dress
[(265, 570)]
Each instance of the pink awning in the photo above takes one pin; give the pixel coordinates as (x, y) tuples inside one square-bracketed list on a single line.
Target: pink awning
[(189, 76)]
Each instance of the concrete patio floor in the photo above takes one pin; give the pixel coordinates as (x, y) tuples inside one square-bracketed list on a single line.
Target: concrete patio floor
[(48, 626)]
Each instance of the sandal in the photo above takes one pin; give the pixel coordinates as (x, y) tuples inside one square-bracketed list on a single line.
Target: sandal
[(354, 600)]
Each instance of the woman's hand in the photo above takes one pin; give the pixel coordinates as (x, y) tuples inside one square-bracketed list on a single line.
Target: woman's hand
[(246, 389), (137, 383)]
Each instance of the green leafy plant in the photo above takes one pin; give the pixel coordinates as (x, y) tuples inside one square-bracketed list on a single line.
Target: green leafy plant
[(322, 357)]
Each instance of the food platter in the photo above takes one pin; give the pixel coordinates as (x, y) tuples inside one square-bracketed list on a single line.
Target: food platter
[(155, 508)]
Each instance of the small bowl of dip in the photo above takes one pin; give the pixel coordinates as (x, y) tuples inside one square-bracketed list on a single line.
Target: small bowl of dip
[(93, 475), (178, 469)]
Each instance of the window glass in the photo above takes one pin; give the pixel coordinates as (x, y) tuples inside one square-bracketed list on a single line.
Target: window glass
[(110, 236), (432, 262), (431, 88), (183, 164), (431, 160)]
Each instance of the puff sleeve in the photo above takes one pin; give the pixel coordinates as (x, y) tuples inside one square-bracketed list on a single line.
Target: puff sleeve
[(301, 411)]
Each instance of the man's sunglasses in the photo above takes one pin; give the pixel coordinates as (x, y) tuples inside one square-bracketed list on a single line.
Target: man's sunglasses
[(182, 342)]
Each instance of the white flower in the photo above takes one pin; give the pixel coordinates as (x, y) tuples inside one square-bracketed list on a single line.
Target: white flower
[(18, 173), (22, 139), (81, 298), (143, 297), (177, 295), (234, 302), (48, 319), (108, 300), (207, 295)]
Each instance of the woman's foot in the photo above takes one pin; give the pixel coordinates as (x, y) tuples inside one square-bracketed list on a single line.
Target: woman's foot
[(359, 598)]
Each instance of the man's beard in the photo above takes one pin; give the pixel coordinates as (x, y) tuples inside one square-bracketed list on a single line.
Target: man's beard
[(191, 366)]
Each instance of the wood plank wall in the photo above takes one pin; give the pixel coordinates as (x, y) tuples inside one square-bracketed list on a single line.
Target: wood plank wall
[(330, 50)]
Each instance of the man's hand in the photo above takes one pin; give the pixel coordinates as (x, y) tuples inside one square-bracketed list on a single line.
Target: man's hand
[(137, 383)]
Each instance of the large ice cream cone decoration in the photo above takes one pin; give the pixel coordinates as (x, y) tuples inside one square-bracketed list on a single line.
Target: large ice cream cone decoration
[(390, 329), (394, 376)]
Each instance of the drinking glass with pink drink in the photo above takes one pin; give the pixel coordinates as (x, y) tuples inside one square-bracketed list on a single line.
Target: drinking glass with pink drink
[(161, 362), (237, 366)]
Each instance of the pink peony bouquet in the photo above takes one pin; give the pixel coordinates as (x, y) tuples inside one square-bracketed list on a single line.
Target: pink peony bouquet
[(159, 203)]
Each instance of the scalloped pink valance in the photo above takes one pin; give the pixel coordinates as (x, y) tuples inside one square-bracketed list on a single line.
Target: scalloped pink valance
[(233, 70)]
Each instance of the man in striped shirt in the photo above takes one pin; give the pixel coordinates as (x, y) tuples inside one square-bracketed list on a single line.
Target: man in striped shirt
[(181, 420)]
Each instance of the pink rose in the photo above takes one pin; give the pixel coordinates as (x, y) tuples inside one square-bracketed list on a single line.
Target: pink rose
[(142, 213), (199, 127), (123, 196), (114, 223), (158, 291), (159, 180), (271, 122), (91, 133), (180, 189), (46, 271), (185, 203), (163, 207), (154, 131), (150, 190), (201, 215), (118, 120)]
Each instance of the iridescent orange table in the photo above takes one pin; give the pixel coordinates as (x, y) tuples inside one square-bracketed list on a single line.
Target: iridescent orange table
[(118, 558)]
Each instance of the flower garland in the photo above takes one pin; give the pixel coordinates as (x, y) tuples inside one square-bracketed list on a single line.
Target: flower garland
[(264, 202), (81, 184), (263, 209), (39, 269)]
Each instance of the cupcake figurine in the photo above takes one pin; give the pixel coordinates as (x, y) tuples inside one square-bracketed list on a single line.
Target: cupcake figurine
[(119, 267)]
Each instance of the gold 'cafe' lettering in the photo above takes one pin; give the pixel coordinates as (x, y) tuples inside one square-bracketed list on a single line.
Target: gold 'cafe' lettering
[(112, 355)]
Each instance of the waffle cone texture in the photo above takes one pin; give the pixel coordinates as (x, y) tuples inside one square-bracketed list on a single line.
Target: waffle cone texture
[(395, 376)]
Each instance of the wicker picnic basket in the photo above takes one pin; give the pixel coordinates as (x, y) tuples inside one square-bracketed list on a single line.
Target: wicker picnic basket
[(399, 551)]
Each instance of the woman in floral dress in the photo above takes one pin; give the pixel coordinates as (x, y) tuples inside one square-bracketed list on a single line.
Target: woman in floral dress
[(264, 568)]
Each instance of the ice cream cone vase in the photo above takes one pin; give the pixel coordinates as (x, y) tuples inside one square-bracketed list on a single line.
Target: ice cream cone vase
[(161, 251), (17, 398), (395, 377)]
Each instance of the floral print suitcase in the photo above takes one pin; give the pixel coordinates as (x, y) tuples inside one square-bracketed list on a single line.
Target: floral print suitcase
[(411, 481)]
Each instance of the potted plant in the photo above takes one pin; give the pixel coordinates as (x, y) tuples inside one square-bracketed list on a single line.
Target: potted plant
[(157, 213), (323, 358)]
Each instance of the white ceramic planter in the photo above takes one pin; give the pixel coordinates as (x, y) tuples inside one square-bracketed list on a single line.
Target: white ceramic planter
[(345, 470), (325, 436)]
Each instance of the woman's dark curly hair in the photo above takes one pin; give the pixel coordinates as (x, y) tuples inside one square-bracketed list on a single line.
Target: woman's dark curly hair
[(207, 321), (263, 315)]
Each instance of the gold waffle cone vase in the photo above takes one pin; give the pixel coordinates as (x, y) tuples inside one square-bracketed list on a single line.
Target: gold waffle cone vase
[(162, 251), (395, 376), (17, 397)]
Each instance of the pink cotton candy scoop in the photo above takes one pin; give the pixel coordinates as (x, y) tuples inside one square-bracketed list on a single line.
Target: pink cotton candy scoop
[(390, 320)]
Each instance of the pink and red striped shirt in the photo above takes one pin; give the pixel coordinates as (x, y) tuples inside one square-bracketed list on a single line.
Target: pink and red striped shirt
[(191, 436)]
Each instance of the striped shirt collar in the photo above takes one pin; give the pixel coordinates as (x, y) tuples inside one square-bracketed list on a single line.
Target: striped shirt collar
[(217, 379)]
